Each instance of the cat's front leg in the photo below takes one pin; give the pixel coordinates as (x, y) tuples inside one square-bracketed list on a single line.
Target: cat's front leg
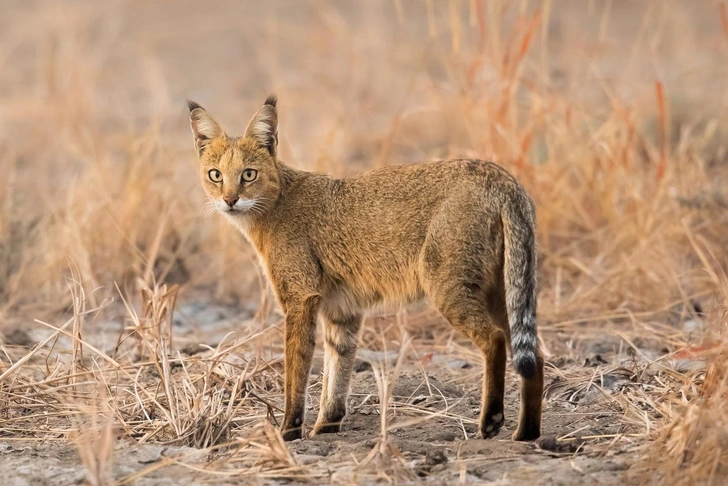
[(300, 341)]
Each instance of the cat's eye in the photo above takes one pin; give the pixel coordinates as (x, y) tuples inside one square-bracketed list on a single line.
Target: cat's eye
[(249, 175), (215, 175)]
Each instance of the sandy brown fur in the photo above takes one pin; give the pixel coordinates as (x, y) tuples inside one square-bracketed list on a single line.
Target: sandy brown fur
[(459, 232)]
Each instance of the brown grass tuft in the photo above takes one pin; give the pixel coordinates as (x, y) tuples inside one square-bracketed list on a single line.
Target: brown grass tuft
[(161, 331)]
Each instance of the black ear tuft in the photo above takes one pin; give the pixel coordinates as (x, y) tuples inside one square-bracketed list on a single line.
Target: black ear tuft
[(271, 100), (263, 127), (204, 127), (193, 106)]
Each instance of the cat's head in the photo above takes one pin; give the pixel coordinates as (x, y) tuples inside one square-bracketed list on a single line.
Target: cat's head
[(239, 174)]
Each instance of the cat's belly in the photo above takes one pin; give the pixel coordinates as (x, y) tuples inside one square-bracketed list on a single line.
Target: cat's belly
[(343, 301)]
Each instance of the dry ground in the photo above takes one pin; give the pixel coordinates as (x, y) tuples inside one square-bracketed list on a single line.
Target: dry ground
[(139, 343)]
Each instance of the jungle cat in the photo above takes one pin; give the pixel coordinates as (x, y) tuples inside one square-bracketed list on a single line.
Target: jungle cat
[(459, 232)]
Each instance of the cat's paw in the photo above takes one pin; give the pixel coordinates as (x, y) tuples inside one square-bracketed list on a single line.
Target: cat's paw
[(292, 433), (327, 428), (491, 425), (526, 434)]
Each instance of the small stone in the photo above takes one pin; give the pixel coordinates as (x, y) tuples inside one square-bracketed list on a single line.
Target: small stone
[(434, 457), (361, 366), (547, 443)]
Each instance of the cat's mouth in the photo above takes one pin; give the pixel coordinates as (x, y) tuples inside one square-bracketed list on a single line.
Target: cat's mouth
[(239, 208), (234, 211)]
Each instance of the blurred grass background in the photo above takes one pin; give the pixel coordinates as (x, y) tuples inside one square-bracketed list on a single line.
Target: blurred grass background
[(96, 150), (611, 112)]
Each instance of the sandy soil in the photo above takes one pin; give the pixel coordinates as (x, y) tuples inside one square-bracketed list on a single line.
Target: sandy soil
[(435, 450), (432, 423), (349, 76)]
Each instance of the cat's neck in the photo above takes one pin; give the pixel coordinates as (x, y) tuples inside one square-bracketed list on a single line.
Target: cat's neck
[(288, 177), (256, 227)]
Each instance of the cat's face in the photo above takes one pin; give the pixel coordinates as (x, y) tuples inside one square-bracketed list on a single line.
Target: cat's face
[(239, 175)]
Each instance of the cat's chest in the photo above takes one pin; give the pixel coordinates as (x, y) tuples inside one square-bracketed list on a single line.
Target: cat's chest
[(241, 223)]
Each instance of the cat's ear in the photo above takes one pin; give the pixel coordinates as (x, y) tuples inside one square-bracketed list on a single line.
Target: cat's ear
[(204, 127), (263, 127)]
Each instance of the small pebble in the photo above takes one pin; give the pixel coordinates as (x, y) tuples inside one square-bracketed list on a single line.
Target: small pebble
[(434, 457)]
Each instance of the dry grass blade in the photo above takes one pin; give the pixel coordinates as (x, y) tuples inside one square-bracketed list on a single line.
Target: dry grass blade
[(611, 114), (94, 437), (385, 455)]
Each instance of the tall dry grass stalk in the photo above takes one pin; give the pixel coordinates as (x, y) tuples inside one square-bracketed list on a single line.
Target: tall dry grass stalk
[(611, 114), (385, 453), (691, 446), (94, 436)]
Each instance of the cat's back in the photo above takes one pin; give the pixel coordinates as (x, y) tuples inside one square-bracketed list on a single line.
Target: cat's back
[(388, 204), (430, 179)]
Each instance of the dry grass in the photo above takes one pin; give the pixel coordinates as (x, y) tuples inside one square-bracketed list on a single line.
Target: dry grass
[(613, 117)]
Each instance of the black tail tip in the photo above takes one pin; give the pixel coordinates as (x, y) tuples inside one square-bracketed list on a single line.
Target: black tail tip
[(526, 367)]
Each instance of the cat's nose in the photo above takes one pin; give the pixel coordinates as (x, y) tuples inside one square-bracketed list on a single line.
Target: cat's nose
[(230, 200)]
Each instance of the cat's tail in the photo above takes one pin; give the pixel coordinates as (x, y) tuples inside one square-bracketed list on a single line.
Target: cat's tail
[(520, 280)]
